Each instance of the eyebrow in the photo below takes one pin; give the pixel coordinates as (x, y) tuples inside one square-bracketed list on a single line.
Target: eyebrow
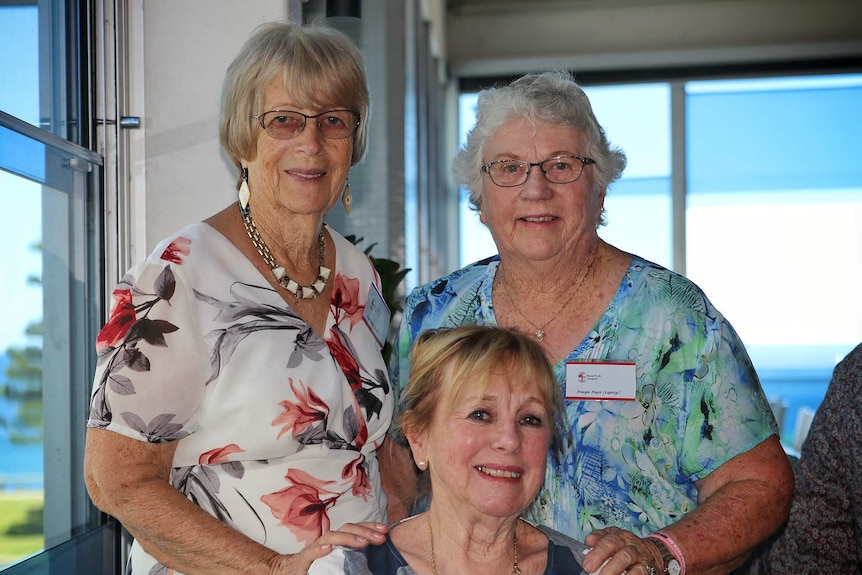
[(510, 156), (496, 398)]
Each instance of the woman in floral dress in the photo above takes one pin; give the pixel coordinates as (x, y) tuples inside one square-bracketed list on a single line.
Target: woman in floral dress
[(241, 393)]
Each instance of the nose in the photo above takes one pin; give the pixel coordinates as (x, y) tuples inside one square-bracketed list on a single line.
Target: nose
[(537, 186), (310, 138), (507, 437)]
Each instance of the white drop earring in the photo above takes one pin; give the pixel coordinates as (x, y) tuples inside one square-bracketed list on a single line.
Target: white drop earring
[(244, 194)]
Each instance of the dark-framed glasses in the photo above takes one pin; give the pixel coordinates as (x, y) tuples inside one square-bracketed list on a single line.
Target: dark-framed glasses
[(287, 124), (557, 170)]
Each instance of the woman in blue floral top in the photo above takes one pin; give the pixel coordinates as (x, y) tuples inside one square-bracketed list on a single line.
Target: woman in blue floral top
[(673, 461), (241, 393)]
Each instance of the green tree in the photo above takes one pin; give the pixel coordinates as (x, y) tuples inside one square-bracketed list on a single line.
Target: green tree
[(23, 382)]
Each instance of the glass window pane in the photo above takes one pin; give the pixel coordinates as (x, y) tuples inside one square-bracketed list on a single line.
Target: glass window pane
[(39, 65), (21, 421), (49, 280), (48, 267), (636, 118), (774, 223), (476, 240)]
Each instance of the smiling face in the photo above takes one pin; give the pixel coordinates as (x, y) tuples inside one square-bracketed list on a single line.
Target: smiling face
[(304, 175), (487, 456), (539, 220)]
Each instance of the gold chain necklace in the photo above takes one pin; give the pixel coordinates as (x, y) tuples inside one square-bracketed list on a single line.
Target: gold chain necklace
[(515, 569), (540, 330), (298, 291)]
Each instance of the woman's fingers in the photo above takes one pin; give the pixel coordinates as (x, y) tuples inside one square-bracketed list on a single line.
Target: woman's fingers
[(354, 535), (369, 531), (616, 551)]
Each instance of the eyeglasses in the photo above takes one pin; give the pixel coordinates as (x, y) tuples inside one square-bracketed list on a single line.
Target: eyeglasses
[(557, 170), (287, 124)]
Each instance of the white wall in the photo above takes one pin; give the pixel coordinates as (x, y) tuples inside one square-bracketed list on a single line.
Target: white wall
[(187, 46), (183, 176)]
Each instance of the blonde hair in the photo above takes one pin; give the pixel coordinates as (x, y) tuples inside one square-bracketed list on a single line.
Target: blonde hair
[(452, 361), (317, 64)]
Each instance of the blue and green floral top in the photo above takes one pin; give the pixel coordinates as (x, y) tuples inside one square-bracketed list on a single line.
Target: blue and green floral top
[(630, 464)]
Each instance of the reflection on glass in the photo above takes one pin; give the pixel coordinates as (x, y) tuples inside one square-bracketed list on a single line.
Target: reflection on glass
[(773, 224), (21, 414)]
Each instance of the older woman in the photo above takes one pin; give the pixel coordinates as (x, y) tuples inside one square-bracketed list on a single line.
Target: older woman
[(240, 396), (482, 409), (675, 463), (824, 532)]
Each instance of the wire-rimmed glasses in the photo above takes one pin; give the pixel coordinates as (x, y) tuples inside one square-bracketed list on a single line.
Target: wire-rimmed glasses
[(287, 124), (557, 170)]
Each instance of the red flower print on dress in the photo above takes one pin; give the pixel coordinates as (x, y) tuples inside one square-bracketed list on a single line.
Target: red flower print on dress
[(219, 454), (345, 298), (297, 416), (122, 318), (345, 359), (179, 247), (302, 507), (356, 469)]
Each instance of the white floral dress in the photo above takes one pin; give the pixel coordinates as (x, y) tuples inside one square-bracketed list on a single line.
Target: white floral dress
[(276, 427)]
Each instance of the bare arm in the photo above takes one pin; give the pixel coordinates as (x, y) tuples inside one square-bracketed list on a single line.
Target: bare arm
[(129, 480), (739, 505), (399, 478)]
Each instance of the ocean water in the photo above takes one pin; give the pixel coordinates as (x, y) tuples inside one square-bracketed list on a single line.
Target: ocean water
[(796, 394), (22, 466)]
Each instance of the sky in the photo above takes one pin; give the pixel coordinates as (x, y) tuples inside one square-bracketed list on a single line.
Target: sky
[(20, 222)]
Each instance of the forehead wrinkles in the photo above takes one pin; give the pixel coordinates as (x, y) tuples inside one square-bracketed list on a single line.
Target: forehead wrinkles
[(316, 92)]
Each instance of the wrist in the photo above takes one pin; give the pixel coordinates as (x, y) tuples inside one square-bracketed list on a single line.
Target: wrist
[(673, 561)]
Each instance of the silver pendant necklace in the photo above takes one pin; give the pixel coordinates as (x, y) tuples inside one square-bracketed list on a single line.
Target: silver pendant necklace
[(540, 330)]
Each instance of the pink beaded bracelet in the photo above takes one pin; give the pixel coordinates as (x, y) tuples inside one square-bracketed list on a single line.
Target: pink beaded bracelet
[(674, 548)]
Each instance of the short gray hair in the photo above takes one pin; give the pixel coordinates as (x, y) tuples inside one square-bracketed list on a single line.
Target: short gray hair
[(318, 65), (547, 98)]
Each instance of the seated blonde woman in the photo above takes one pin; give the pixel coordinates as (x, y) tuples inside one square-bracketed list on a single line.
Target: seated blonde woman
[(483, 409)]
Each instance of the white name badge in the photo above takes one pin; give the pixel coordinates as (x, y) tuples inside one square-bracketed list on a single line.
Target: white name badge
[(600, 381), (377, 315)]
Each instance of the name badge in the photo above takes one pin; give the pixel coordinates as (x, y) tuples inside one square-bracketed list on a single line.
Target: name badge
[(377, 315), (600, 381)]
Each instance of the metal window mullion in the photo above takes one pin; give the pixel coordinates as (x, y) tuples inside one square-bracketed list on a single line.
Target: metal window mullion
[(679, 180)]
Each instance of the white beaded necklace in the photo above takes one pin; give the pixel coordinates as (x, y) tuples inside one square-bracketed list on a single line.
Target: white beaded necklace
[(298, 291)]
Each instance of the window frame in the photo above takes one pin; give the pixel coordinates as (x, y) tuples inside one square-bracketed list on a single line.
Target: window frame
[(78, 537)]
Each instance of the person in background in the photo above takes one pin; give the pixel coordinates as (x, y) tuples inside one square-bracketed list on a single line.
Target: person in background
[(482, 411), (824, 532), (241, 393), (675, 464)]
